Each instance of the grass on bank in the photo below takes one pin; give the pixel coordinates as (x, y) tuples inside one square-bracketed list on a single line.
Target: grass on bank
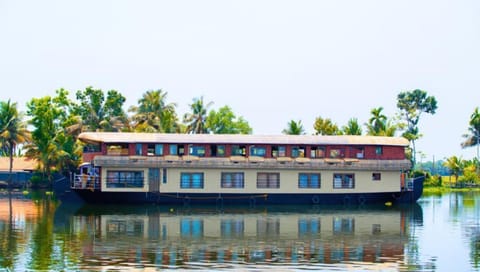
[(435, 185)]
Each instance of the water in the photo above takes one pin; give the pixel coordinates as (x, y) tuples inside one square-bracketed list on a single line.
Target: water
[(439, 233)]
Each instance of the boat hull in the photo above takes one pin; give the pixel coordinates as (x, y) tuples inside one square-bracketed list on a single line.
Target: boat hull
[(357, 198), (247, 199)]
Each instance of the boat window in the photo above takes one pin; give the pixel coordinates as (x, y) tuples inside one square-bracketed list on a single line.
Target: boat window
[(164, 175), (317, 152), (259, 151), (150, 149), (360, 152), (217, 150), (378, 150), (89, 148), (298, 151), (191, 180), (159, 149), (155, 150), (125, 179), (138, 149), (220, 150), (268, 180), (197, 151), (376, 176), (309, 180), (279, 151), (181, 150), (238, 150), (233, 180), (173, 149), (343, 181), (336, 153), (117, 149)]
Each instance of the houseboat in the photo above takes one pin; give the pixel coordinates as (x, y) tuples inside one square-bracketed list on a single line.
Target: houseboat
[(244, 169)]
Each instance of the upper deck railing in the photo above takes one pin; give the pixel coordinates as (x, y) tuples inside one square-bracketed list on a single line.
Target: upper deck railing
[(240, 162), (83, 181)]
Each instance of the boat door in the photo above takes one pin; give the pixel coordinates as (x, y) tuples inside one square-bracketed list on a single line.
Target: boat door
[(154, 179)]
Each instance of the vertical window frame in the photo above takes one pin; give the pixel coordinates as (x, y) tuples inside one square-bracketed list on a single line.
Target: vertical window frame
[(343, 181), (138, 149), (308, 179), (188, 180), (232, 180), (268, 180)]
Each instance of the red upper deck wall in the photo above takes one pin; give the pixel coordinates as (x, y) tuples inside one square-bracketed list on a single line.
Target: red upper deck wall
[(370, 152)]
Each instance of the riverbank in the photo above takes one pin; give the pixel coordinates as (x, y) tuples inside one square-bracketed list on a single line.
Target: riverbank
[(443, 189)]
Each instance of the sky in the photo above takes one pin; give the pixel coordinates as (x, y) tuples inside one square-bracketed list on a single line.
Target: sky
[(271, 61)]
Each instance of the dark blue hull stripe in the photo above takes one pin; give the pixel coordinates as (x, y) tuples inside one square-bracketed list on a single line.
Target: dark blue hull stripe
[(253, 199)]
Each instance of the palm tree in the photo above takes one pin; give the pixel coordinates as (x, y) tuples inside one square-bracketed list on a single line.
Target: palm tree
[(473, 138), (352, 128), (455, 165), (377, 123), (390, 129), (294, 128), (13, 130), (196, 120), (153, 114)]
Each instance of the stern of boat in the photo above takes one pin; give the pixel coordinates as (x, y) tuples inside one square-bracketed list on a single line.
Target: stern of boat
[(413, 190)]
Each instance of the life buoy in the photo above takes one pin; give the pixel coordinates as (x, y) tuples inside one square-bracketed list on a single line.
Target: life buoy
[(186, 201), (252, 201), (219, 201), (315, 199)]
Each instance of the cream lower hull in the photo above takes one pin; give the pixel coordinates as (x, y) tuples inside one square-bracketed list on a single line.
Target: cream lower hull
[(166, 188)]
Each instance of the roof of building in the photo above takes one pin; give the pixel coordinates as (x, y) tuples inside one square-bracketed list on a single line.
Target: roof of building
[(19, 164), (129, 137)]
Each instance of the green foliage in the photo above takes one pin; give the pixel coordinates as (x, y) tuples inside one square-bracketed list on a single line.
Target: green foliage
[(98, 112), (53, 146), (39, 180), (377, 123), (473, 138), (326, 127), (380, 125), (226, 122), (470, 175), (154, 114), (455, 165), (13, 130), (44, 115), (196, 119), (433, 181), (294, 128), (352, 127), (411, 105)]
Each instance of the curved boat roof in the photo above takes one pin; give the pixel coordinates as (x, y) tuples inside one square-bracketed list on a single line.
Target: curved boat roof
[(131, 137)]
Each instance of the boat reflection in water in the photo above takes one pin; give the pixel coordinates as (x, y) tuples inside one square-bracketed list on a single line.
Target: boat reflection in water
[(244, 237)]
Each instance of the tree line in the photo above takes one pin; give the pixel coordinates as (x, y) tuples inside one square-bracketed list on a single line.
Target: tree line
[(48, 131)]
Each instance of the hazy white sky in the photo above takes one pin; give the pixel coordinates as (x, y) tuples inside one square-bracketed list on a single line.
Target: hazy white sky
[(271, 61)]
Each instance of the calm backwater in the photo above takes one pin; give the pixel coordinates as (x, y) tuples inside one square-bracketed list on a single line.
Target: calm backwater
[(439, 233)]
